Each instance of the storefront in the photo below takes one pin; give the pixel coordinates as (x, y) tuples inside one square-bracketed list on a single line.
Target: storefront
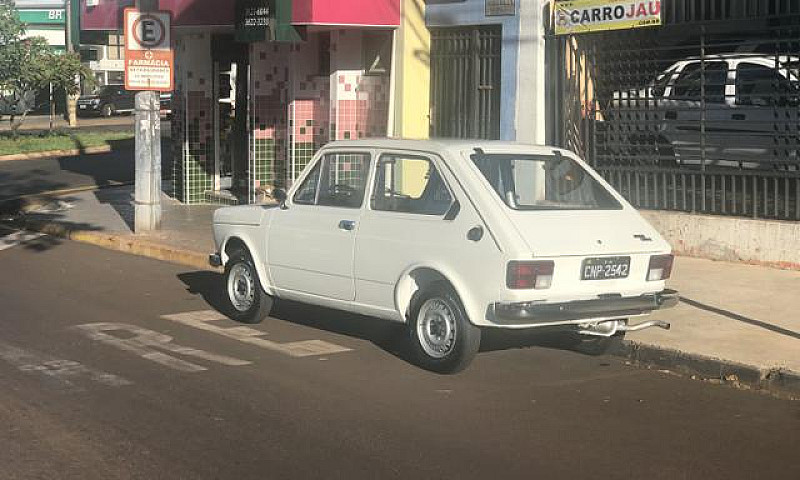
[(696, 111), (487, 68), (250, 109)]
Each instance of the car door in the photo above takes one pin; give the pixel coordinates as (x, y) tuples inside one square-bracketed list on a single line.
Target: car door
[(415, 218), (697, 113), (765, 109), (312, 238)]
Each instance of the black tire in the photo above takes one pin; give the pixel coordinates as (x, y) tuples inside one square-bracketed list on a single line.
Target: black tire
[(107, 110), (463, 339), (252, 304)]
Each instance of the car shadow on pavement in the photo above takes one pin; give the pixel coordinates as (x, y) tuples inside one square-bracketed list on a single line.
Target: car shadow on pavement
[(386, 335), (389, 336)]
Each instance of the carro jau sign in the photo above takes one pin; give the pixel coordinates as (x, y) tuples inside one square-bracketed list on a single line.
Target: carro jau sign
[(579, 16)]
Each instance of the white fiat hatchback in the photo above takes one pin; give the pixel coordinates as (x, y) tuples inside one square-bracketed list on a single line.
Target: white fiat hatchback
[(449, 237)]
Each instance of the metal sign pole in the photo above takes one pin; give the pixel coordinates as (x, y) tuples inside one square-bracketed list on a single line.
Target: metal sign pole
[(147, 196)]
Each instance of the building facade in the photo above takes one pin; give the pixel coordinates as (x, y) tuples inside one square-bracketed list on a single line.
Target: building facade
[(250, 110)]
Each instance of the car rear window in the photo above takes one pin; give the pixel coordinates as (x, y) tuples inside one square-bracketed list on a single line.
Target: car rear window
[(543, 182)]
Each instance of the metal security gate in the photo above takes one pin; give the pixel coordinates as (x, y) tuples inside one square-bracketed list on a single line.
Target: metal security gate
[(465, 82), (701, 114)]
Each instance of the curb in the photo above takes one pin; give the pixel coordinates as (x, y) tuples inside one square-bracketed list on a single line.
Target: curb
[(776, 381), (56, 153), (122, 243)]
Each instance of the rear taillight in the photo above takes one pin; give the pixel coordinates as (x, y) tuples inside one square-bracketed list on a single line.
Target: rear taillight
[(660, 268), (522, 275)]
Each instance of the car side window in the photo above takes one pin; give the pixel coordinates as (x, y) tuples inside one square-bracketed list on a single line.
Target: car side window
[(760, 86), (337, 180), (307, 192), (688, 85), (409, 184)]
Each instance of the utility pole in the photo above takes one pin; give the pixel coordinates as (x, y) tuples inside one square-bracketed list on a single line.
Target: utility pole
[(72, 100), (147, 197)]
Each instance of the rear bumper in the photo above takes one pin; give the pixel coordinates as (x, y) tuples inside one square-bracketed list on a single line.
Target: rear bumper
[(613, 307)]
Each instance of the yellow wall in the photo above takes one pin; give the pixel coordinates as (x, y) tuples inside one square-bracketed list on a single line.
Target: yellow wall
[(412, 75)]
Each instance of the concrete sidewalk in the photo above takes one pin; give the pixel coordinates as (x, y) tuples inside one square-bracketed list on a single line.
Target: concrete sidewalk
[(736, 323)]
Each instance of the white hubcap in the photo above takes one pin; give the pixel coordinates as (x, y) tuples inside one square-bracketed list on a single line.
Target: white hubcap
[(241, 287), (436, 328)]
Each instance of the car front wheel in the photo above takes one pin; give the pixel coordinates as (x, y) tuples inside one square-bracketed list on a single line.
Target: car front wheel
[(442, 338), (107, 110), (247, 301)]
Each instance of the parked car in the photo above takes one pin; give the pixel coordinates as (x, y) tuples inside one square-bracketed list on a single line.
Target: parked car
[(730, 107), (11, 104), (449, 237), (109, 100)]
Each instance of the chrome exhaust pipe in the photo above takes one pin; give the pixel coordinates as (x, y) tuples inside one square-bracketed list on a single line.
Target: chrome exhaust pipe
[(643, 325)]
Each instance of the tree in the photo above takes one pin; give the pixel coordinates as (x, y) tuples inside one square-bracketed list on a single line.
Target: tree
[(30, 64)]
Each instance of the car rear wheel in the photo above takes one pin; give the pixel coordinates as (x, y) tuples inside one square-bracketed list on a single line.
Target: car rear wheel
[(442, 338), (107, 110), (247, 301)]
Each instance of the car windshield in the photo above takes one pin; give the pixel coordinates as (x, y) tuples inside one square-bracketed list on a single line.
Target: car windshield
[(543, 182)]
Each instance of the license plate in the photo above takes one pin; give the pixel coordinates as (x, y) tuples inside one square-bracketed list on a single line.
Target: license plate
[(605, 268), (82, 107)]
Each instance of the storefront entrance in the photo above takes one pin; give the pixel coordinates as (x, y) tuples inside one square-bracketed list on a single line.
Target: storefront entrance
[(230, 79)]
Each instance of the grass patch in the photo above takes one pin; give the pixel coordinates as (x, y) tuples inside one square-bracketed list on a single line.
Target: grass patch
[(58, 140)]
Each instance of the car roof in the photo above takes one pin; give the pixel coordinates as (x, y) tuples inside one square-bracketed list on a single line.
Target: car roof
[(445, 144)]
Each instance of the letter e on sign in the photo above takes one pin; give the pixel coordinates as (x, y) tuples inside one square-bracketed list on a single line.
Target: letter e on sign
[(147, 30), (149, 59)]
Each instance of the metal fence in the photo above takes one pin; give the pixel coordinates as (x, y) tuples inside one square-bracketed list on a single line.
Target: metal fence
[(701, 114), (465, 82)]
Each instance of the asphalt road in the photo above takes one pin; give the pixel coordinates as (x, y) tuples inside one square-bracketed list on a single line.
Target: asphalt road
[(26, 177), (96, 383)]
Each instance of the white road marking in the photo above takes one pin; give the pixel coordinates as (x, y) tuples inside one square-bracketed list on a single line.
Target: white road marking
[(145, 342), (202, 320), (18, 238), (62, 371)]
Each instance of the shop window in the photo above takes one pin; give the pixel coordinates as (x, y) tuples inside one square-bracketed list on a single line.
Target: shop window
[(116, 47), (116, 78), (500, 7), (88, 55), (377, 50)]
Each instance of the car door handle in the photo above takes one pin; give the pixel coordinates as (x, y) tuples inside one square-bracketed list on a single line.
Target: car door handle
[(738, 116), (347, 225)]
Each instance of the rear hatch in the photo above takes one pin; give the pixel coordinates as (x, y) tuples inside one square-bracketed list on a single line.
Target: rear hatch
[(586, 232), (595, 253)]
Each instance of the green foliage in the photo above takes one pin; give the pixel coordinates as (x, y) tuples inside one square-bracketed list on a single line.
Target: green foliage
[(30, 64), (27, 142), (11, 28)]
